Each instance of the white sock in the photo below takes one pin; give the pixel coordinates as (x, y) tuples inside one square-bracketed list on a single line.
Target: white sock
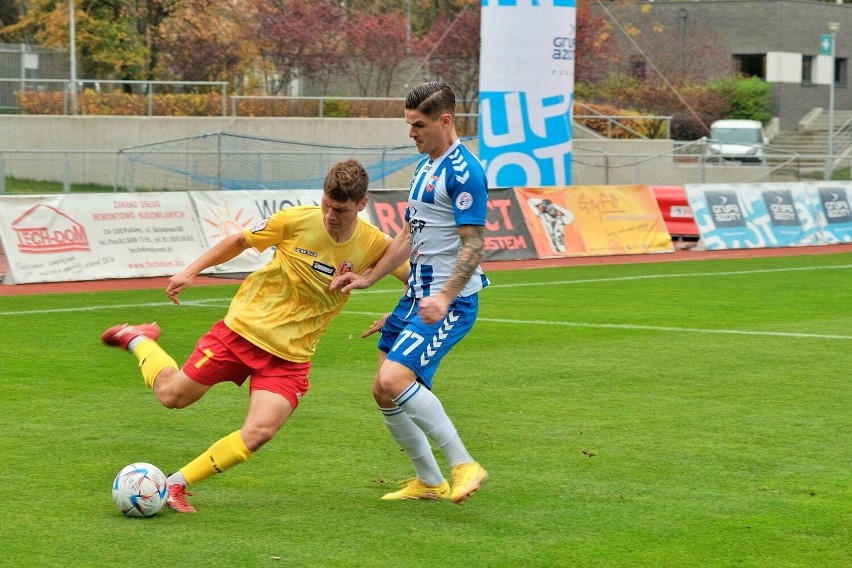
[(415, 444), (177, 479), (426, 411)]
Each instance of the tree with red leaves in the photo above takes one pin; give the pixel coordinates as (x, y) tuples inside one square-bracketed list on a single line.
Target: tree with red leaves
[(597, 50), (194, 50), (296, 38), (451, 53), (377, 50)]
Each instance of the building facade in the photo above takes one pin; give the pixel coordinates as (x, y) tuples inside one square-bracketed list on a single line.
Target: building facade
[(780, 41)]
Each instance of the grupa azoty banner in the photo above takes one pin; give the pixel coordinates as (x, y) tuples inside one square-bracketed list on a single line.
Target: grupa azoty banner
[(526, 83)]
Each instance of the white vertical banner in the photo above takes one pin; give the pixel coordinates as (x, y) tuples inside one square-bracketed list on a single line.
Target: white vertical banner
[(526, 91)]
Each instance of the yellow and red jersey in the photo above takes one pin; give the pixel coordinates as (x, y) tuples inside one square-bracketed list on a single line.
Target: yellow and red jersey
[(285, 306)]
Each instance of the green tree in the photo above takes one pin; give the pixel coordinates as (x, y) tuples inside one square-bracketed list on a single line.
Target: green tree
[(114, 39), (749, 97), (8, 16), (109, 46), (33, 18)]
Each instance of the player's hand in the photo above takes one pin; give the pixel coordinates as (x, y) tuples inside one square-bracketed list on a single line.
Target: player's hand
[(348, 281), (377, 325), (433, 308), (177, 284)]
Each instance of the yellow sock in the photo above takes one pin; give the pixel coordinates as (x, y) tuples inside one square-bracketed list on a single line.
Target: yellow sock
[(222, 455), (152, 360)]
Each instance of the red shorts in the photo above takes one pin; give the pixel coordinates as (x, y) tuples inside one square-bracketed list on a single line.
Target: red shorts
[(222, 355)]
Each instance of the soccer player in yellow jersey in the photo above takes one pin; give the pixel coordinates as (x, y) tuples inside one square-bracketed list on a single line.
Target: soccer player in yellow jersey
[(273, 324)]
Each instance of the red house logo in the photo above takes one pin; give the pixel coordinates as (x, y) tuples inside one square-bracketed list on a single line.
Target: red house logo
[(44, 229)]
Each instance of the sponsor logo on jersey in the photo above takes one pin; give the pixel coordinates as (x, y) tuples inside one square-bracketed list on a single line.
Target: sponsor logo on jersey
[(324, 268), (416, 226), (464, 200), (431, 185), (305, 251), (260, 225)]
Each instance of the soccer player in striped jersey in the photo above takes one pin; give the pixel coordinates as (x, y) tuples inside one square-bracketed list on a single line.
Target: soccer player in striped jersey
[(443, 239), (273, 324)]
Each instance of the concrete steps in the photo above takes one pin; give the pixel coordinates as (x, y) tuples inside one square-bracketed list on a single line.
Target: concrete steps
[(820, 120), (809, 141)]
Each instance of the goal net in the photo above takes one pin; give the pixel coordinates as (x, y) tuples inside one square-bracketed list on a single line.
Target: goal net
[(238, 162)]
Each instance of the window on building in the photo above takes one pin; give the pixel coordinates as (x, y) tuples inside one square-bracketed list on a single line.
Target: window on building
[(750, 65), (637, 66), (807, 69), (840, 70)]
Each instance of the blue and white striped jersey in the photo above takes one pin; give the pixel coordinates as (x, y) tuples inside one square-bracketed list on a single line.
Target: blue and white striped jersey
[(445, 193)]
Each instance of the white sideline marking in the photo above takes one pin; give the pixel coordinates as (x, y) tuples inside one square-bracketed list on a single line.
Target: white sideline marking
[(640, 327), (166, 303), (667, 328), (640, 277), (655, 276), (213, 302)]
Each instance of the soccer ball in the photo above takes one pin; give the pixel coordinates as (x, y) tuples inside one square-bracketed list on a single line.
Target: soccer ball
[(140, 490)]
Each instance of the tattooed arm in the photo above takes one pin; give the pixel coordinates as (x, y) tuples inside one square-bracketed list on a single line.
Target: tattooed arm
[(434, 308)]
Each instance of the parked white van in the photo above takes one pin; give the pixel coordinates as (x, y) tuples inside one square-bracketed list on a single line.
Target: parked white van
[(740, 140)]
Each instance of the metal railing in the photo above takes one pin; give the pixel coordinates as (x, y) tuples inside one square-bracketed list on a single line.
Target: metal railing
[(621, 124), (71, 89), (842, 143), (320, 107), (336, 106), (58, 170), (608, 126)]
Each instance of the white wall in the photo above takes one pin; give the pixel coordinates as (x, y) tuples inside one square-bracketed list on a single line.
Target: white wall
[(823, 70), (782, 67), (94, 142), (113, 133)]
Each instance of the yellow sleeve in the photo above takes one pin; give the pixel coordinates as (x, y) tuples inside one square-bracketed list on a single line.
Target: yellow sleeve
[(268, 232)]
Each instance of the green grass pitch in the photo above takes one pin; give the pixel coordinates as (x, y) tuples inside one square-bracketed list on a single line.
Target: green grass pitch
[(694, 414)]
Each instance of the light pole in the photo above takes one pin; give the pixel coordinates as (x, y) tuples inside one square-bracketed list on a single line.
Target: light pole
[(72, 48), (829, 161), (682, 15)]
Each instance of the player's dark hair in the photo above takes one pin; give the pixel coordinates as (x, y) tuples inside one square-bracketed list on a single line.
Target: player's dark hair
[(432, 99), (346, 181)]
